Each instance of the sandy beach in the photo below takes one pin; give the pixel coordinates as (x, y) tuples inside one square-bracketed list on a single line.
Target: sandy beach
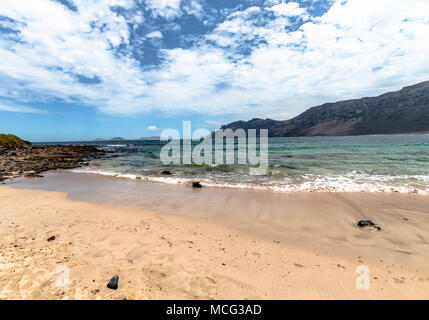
[(214, 150), (173, 255)]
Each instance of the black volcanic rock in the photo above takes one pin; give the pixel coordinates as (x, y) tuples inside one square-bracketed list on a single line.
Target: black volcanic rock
[(197, 185), (31, 160), (403, 111), (113, 283), (368, 223)]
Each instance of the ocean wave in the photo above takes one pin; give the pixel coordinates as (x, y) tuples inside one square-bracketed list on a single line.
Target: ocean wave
[(351, 182)]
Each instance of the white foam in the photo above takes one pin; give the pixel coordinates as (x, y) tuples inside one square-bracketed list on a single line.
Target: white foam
[(169, 180), (351, 182)]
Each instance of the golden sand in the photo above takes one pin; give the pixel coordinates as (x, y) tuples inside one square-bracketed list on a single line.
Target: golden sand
[(169, 257)]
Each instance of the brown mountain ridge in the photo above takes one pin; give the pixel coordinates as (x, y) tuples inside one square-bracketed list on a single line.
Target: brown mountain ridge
[(399, 112)]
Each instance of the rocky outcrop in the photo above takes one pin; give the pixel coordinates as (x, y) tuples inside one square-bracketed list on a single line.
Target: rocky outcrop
[(31, 160)]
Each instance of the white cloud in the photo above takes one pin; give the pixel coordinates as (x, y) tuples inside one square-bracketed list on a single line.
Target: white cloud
[(289, 9), (18, 108), (153, 128), (47, 59), (193, 7), (358, 48), (154, 34), (165, 8)]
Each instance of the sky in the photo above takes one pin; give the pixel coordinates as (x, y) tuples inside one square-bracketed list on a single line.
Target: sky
[(73, 70)]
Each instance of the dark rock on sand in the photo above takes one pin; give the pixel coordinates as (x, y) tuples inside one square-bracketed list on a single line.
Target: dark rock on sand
[(113, 283), (51, 239), (368, 223), (166, 172), (196, 184), (32, 175)]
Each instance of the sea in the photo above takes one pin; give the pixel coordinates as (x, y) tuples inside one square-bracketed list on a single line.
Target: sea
[(379, 163)]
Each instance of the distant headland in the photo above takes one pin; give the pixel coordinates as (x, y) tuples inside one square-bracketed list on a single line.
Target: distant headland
[(400, 112)]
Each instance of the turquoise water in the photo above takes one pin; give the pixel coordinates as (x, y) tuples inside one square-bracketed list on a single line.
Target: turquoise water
[(393, 163)]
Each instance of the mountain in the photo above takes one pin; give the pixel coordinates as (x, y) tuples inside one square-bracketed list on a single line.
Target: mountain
[(122, 139), (150, 138), (403, 111), (113, 139)]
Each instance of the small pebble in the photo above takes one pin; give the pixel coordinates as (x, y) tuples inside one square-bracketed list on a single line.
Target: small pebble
[(113, 283)]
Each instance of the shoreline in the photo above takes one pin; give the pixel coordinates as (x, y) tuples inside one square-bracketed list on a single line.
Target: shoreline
[(168, 257), (334, 187), (386, 165)]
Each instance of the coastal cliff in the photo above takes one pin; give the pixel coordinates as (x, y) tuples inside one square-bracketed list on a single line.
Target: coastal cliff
[(403, 111)]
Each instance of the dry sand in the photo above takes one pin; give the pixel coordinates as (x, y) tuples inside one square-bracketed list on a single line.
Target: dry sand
[(168, 257)]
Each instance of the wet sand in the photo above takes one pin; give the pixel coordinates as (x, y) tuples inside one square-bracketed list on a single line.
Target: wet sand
[(172, 241)]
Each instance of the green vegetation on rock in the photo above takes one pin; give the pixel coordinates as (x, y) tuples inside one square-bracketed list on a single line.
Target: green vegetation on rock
[(10, 141)]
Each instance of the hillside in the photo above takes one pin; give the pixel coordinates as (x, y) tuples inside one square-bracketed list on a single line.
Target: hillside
[(403, 111), (10, 141)]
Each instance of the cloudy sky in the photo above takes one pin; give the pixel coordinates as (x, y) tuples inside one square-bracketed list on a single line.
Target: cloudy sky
[(82, 69)]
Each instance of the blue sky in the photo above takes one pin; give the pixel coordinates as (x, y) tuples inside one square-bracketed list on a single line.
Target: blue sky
[(85, 69)]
